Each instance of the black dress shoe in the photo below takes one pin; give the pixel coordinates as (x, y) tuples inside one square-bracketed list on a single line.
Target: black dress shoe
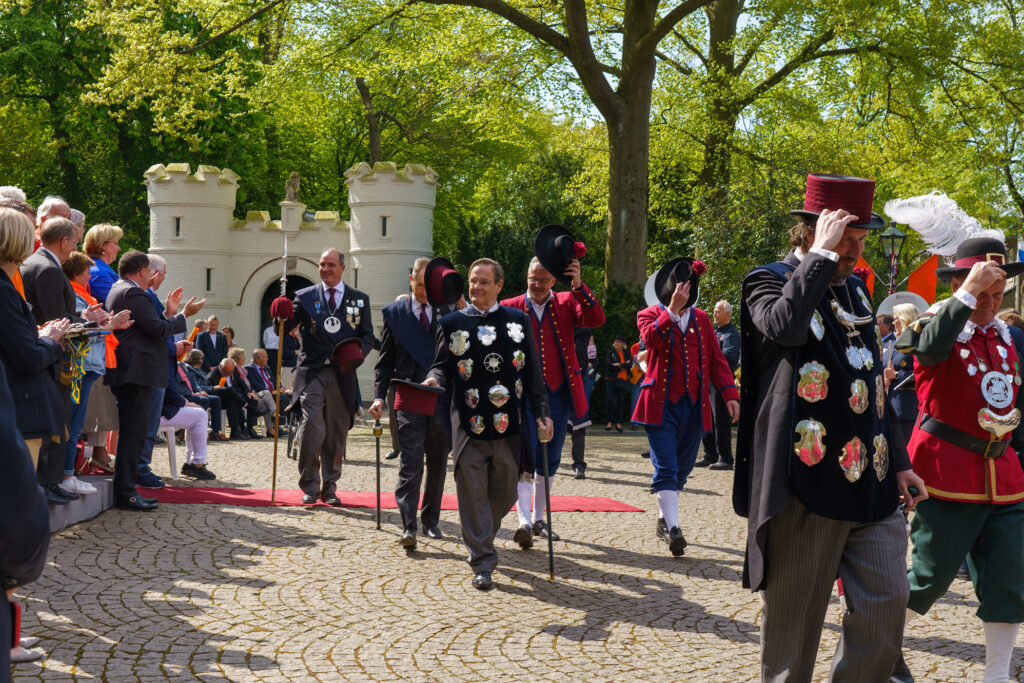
[(580, 474), (146, 499), (239, 435), (136, 503), (645, 454), (901, 674), (661, 531), (391, 455), (524, 536), (54, 498), (704, 462), (308, 499), (408, 540), (721, 465), (331, 499), (253, 434), (433, 532), (482, 581), (541, 529), (676, 542)]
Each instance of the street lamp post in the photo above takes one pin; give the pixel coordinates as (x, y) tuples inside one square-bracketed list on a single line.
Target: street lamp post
[(892, 242)]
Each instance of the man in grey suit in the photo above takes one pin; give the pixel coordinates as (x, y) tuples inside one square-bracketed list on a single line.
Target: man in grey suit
[(486, 358), (820, 466)]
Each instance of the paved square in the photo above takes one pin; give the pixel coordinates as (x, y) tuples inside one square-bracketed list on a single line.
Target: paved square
[(296, 594)]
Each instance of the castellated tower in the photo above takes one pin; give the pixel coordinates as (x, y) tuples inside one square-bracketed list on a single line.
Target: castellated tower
[(236, 263)]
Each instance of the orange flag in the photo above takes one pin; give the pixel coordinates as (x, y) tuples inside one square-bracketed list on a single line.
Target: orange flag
[(870, 279), (923, 280)]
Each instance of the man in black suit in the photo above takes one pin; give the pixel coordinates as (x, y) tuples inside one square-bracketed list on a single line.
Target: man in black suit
[(261, 380), (406, 352), (141, 366), (212, 343), (234, 396), (326, 314)]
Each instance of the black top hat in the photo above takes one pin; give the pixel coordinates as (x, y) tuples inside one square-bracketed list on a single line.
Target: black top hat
[(555, 248), (348, 354), (831, 191), (444, 283), (672, 273), (414, 397), (977, 250)]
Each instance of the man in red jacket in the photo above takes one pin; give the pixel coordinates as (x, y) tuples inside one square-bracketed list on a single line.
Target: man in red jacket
[(683, 358), (554, 315)]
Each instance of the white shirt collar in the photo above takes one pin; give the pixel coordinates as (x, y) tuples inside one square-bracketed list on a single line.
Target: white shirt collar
[(52, 255), (339, 288), (417, 306), (538, 309), (473, 310)]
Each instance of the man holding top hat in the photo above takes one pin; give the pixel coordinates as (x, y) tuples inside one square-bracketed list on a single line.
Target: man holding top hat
[(683, 359), (820, 466), (334, 321), (424, 429), (554, 316), (485, 357), (968, 379)]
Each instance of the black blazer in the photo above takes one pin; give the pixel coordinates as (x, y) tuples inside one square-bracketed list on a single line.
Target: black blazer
[(614, 366), (237, 385), (256, 381), (142, 348), (47, 289), (406, 349), (213, 352), (30, 362)]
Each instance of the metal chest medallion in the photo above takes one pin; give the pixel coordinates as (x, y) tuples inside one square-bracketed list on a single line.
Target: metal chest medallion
[(515, 331), (465, 368), (472, 397), (813, 384), (332, 325), (501, 422), (518, 359), (498, 395), (492, 362), (997, 389), (811, 446), (999, 425), (879, 396), (858, 396), (859, 357), (476, 424), (486, 334), (817, 326), (881, 458), (458, 342), (853, 460)]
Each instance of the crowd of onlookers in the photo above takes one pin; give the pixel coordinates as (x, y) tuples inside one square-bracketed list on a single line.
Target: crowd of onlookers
[(59, 340)]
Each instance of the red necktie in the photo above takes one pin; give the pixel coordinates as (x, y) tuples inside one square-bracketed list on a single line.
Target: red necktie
[(266, 378), (424, 320), (332, 292), (181, 373)]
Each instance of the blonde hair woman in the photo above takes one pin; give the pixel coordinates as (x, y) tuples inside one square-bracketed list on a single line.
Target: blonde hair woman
[(102, 244)]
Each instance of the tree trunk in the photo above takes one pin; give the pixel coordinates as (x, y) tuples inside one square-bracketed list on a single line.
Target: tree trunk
[(715, 173), (372, 119), (628, 183)]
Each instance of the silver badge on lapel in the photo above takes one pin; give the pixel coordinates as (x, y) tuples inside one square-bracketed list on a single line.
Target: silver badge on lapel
[(332, 325), (853, 460), (881, 457), (811, 446), (519, 388), (965, 354), (515, 331), (472, 397), (458, 342), (817, 326), (492, 362), (858, 396), (465, 368), (359, 303), (518, 359), (498, 395), (501, 422), (476, 424), (486, 334)]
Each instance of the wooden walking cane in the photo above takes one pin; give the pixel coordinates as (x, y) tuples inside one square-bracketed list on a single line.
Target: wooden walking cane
[(547, 505), (378, 430), (280, 309)]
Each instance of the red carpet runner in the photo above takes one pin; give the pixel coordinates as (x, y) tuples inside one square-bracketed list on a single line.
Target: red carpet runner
[(354, 499)]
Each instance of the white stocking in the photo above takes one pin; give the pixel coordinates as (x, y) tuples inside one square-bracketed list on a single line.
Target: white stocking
[(540, 483), (668, 502), (999, 640), (524, 489)]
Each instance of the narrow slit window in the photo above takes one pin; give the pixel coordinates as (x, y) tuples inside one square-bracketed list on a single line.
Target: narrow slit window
[(177, 226), (383, 226), (209, 279), (356, 277)]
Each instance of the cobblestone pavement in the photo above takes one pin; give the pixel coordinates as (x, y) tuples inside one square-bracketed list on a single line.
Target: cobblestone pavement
[(295, 594)]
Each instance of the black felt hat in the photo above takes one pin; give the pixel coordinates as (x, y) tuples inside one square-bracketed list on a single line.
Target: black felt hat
[(677, 270), (444, 284), (555, 248), (978, 250)]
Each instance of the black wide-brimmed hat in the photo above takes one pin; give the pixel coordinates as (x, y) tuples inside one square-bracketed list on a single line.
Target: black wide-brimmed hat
[(555, 248), (444, 283), (414, 397), (672, 273), (348, 354), (978, 250), (831, 191)]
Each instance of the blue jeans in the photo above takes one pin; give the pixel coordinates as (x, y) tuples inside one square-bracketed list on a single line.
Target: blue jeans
[(674, 444), (78, 411), (146, 456), (560, 406)]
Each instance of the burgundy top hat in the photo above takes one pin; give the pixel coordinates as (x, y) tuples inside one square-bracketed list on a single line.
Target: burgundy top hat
[(675, 271), (979, 249), (413, 397), (830, 191), (348, 354), (555, 248), (444, 283)]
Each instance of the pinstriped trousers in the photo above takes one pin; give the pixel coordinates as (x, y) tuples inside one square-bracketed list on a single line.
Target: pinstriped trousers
[(805, 553)]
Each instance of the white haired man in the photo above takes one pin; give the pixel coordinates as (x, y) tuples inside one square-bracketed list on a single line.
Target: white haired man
[(718, 442)]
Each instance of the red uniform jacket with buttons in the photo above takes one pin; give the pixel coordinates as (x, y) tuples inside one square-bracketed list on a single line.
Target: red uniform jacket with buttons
[(554, 337), (678, 363)]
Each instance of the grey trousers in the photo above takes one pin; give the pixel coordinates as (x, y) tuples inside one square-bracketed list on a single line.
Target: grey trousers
[(423, 440), (805, 553), (393, 420), (486, 473), (322, 435)]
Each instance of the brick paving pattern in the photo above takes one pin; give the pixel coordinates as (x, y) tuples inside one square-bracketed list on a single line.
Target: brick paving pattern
[(224, 593)]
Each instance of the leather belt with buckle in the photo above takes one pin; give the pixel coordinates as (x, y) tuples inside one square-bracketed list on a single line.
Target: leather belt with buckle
[(985, 447)]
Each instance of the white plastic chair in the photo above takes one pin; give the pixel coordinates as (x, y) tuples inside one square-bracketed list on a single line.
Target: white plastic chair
[(168, 433)]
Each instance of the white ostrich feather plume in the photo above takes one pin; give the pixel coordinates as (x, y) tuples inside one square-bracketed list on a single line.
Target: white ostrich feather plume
[(941, 223)]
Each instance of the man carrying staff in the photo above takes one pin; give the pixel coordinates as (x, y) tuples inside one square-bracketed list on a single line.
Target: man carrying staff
[(554, 316), (406, 353), (968, 380), (820, 468), (327, 314), (484, 357), (683, 359)]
